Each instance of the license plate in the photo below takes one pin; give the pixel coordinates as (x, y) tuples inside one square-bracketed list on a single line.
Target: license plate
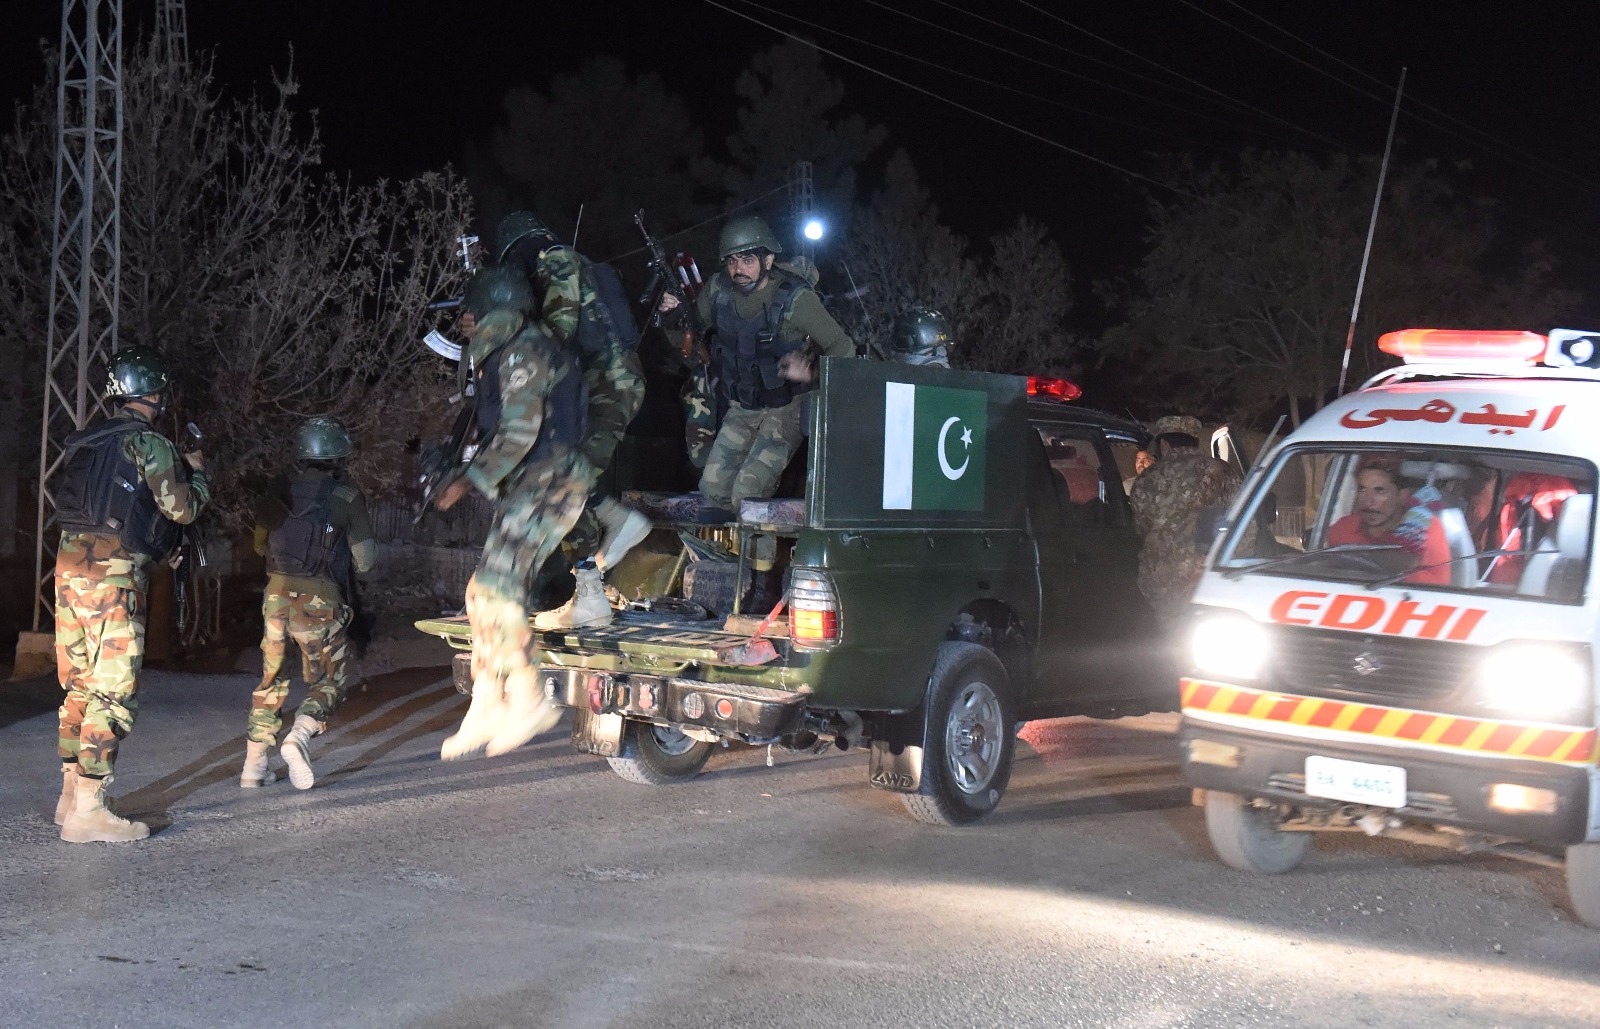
[(1356, 782)]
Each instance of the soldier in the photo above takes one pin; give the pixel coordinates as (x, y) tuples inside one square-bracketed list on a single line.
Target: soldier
[(575, 316), (313, 530), (766, 325), (120, 496), (1166, 499), (763, 322), (922, 336), (531, 429)]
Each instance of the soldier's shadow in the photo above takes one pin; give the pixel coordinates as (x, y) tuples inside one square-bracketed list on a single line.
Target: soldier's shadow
[(152, 802)]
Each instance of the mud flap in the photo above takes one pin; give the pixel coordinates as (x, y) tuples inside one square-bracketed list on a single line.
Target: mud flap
[(597, 734), (897, 773)]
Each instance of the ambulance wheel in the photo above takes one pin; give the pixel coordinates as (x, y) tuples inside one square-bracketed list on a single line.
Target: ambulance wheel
[(1583, 882), (655, 755), (966, 757), (1248, 838)]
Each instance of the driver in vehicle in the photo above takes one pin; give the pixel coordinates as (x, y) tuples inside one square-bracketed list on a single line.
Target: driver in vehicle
[(1386, 512)]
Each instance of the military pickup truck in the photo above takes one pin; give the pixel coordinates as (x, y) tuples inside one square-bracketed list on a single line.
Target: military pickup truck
[(964, 561)]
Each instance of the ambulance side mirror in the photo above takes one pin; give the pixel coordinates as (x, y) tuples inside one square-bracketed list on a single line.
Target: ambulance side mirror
[(1208, 522)]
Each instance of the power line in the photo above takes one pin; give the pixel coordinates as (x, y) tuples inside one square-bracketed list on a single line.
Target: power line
[(1416, 102), (1150, 61), (1189, 111), (1130, 173), (945, 69), (702, 223), (1514, 157)]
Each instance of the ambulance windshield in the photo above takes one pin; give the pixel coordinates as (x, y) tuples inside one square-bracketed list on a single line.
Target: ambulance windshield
[(1450, 519)]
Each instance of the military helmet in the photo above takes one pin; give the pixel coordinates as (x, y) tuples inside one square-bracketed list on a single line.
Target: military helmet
[(494, 287), (322, 439), (921, 329), (1187, 425), (747, 232), (136, 371), (515, 227)]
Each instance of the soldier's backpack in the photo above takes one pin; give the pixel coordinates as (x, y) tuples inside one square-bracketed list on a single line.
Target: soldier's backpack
[(304, 541), (608, 323), (97, 489)]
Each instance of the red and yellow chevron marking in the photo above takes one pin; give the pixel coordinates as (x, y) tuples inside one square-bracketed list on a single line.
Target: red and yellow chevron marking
[(1509, 739)]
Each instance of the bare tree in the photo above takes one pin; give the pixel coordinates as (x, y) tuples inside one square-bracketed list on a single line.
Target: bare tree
[(279, 292)]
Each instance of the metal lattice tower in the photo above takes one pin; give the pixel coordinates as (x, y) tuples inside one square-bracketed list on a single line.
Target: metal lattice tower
[(172, 28), (802, 201), (85, 248)]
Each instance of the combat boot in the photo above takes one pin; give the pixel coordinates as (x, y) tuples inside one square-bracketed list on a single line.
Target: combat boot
[(587, 609), (90, 821), (69, 780), (296, 751), (485, 714), (257, 765), (622, 528), (530, 713)]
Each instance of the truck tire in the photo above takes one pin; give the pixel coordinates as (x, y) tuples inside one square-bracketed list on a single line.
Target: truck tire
[(1583, 882), (656, 755), (1248, 838), (966, 758)]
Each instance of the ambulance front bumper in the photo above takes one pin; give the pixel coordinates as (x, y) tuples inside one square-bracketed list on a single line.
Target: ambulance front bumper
[(1441, 788)]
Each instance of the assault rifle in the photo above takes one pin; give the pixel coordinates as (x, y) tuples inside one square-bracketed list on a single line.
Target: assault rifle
[(668, 277), (444, 463), (190, 556)]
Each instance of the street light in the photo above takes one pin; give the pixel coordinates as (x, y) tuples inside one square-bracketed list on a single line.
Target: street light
[(813, 229)]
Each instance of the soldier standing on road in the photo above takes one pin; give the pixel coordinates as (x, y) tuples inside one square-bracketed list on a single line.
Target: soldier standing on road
[(765, 325), (572, 313), (531, 428), (922, 336), (314, 532), (1166, 499), (120, 496)]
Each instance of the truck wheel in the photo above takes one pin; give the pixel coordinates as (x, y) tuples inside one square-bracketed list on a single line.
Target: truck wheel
[(1248, 838), (1583, 881), (966, 759), (655, 755)]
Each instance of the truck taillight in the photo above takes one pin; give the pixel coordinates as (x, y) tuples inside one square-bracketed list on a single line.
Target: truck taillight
[(813, 611)]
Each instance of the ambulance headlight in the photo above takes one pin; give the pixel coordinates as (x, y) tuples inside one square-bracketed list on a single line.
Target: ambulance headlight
[(1229, 646), (1535, 681)]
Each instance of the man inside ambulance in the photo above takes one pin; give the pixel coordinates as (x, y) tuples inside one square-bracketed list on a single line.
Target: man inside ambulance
[(1386, 512)]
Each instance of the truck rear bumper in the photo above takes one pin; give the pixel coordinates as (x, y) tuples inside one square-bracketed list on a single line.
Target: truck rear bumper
[(735, 710), (1441, 788)]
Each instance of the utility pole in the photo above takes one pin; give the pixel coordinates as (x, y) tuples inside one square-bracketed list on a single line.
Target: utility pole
[(172, 29), (85, 251), (802, 206)]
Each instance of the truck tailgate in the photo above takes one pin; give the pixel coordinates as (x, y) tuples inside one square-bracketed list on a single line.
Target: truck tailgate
[(631, 635)]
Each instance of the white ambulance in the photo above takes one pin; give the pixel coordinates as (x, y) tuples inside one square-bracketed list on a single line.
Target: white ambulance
[(1396, 631)]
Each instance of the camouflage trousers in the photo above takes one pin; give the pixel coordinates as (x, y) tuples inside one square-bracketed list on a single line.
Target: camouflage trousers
[(752, 448), (616, 392), (99, 650), (699, 416), (318, 626), (1169, 570), (536, 512)]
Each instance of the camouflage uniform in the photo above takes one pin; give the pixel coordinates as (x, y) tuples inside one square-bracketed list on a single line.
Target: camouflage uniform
[(541, 484), (101, 606), (754, 444), (1166, 499), (313, 611), (699, 416), (614, 378)]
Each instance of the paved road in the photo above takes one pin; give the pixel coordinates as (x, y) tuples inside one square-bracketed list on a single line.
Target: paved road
[(538, 889)]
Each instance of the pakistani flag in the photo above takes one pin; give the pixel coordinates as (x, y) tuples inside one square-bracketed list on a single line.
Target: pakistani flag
[(933, 448)]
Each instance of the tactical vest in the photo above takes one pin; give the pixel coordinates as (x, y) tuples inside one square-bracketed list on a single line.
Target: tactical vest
[(566, 411), (307, 543), (746, 351), (98, 489)]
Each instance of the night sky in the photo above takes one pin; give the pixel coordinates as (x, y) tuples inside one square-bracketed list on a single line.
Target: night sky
[(402, 85)]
